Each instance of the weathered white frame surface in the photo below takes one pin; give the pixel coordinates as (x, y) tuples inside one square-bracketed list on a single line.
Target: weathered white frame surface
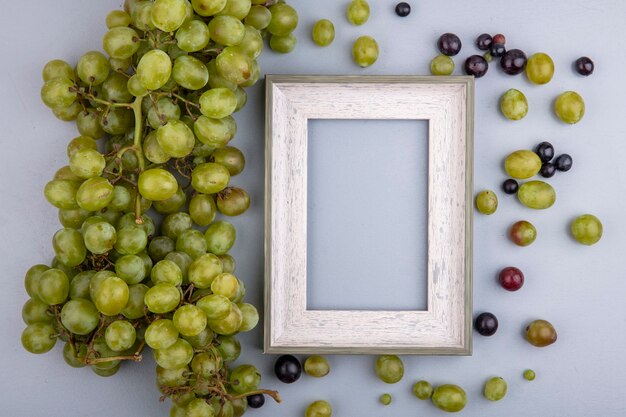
[(446, 326)]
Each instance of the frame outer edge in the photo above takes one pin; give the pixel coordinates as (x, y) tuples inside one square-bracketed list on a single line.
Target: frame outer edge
[(469, 218), (267, 331)]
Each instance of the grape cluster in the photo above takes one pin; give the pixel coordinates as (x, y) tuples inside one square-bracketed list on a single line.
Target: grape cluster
[(155, 122)]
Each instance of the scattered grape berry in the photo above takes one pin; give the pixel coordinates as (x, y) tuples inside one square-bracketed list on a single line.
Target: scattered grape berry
[(545, 151), (449, 44), (403, 9), (476, 65), (511, 278), (499, 38), (483, 42), (584, 66), (488, 56), (288, 369), (486, 324), (510, 186), (513, 62), (547, 170), (563, 163), (256, 400), (497, 50)]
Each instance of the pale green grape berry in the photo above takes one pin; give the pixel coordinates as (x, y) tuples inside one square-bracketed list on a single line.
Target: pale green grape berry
[(94, 194), (252, 43), (389, 368), (189, 320), (69, 247), (514, 105), (487, 202), (117, 121), (190, 72), (442, 65), (220, 237), (358, 12), (161, 334), (215, 132), (157, 184), (283, 44), (202, 209), (93, 68), (62, 193), (58, 68), (529, 375), (35, 311), (226, 30), (131, 269), (120, 335), (80, 316), (117, 18), (225, 284), (166, 272), (100, 237), (238, 9), (385, 399), (218, 103), (173, 204), (122, 199), (154, 69), (68, 114), (162, 298), (141, 16), (587, 229), (153, 151), (199, 408), (228, 325), (121, 42), (192, 242), (423, 390), (570, 107), (176, 139), (319, 408), (210, 178), (175, 356), (284, 19), (365, 51), (131, 240), (245, 378), (58, 93), (250, 317), (135, 87), (88, 124), (208, 7), (80, 143), (39, 338), (111, 296), (495, 389), (168, 15), (204, 270), (87, 163), (233, 201), (323, 32), (164, 111), (193, 36), (258, 17)]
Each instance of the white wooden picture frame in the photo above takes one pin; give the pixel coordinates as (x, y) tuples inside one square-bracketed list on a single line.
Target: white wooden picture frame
[(445, 327)]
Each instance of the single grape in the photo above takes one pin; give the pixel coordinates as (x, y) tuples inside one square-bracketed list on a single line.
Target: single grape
[(204, 270), (121, 42), (100, 237), (117, 121), (161, 334), (547, 170), (283, 44), (193, 36), (209, 178), (192, 242), (287, 369), (88, 123), (442, 65), (229, 348), (176, 139), (220, 237), (385, 399), (513, 104), (316, 366), (483, 42), (523, 233), (529, 375), (389, 368), (284, 19), (157, 184), (53, 286), (259, 17), (228, 325), (218, 103), (233, 201), (476, 65), (540, 68), (403, 9), (39, 338), (510, 186), (358, 12), (495, 389), (511, 278), (74, 355), (497, 50), (584, 66), (586, 229), (545, 151), (522, 164), (58, 93), (570, 107), (57, 68), (189, 320), (537, 195), (365, 51), (513, 62), (230, 157), (486, 324), (448, 397), (449, 44), (135, 307), (79, 285), (256, 400), (215, 132), (323, 32), (162, 298), (563, 162), (190, 72), (216, 307), (93, 68), (487, 202), (131, 240), (115, 88), (178, 355), (69, 247), (154, 69), (208, 7), (111, 296), (319, 409), (117, 18), (35, 311), (168, 15), (423, 390), (245, 378), (541, 333), (32, 277), (120, 335), (238, 9)]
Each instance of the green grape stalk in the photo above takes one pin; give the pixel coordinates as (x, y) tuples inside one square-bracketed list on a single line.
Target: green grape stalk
[(141, 259)]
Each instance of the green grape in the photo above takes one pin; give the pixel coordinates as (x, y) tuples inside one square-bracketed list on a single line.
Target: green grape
[(218, 103), (220, 237), (233, 201), (94, 194), (283, 44), (31, 279), (157, 184), (250, 317), (238, 9), (229, 348), (215, 307), (423, 390), (57, 68), (131, 240), (284, 19), (69, 247), (316, 366), (141, 16), (34, 311), (190, 72), (135, 87), (80, 143), (570, 107), (514, 105), (172, 377), (385, 399), (164, 111), (487, 202), (189, 320), (106, 369), (319, 408), (117, 18), (53, 286), (39, 338), (162, 298), (62, 193), (192, 242), (79, 286), (120, 335), (153, 151), (230, 324), (80, 316), (93, 68), (522, 164), (258, 17), (159, 247), (540, 68), (115, 89), (121, 42), (135, 307), (242, 98), (68, 114), (389, 368), (147, 224), (161, 334), (323, 32), (216, 80), (442, 65), (209, 178), (203, 364), (495, 389), (169, 15), (117, 121), (183, 261), (96, 280), (204, 269), (68, 270), (88, 124), (230, 157), (241, 293), (111, 296), (87, 163), (529, 375), (122, 199), (226, 30), (120, 65), (154, 69), (176, 139), (234, 65), (215, 132), (147, 262), (175, 356), (245, 378), (358, 12), (58, 93), (228, 263), (208, 7), (365, 51), (100, 237), (199, 408), (193, 36), (523, 233), (175, 224), (75, 356), (537, 195), (448, 397), (225, 284), (587, 229), (65, 173), (166, 272)]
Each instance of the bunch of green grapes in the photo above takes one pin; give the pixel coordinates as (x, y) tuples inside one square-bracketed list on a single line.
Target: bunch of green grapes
[(155, 119)]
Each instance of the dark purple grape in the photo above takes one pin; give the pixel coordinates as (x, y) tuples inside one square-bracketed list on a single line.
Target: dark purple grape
[(449, 44), (547, 170), (513, 62), (483, 42), (403, 9), (584, 66), (510, 186), (497, 50), (256, 400), (288, 369), (499, 38), (564, 162), (545, 151), (476, 65), (486, 324)]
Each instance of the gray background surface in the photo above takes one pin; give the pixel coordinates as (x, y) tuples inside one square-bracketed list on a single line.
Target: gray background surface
[(579, 289)]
